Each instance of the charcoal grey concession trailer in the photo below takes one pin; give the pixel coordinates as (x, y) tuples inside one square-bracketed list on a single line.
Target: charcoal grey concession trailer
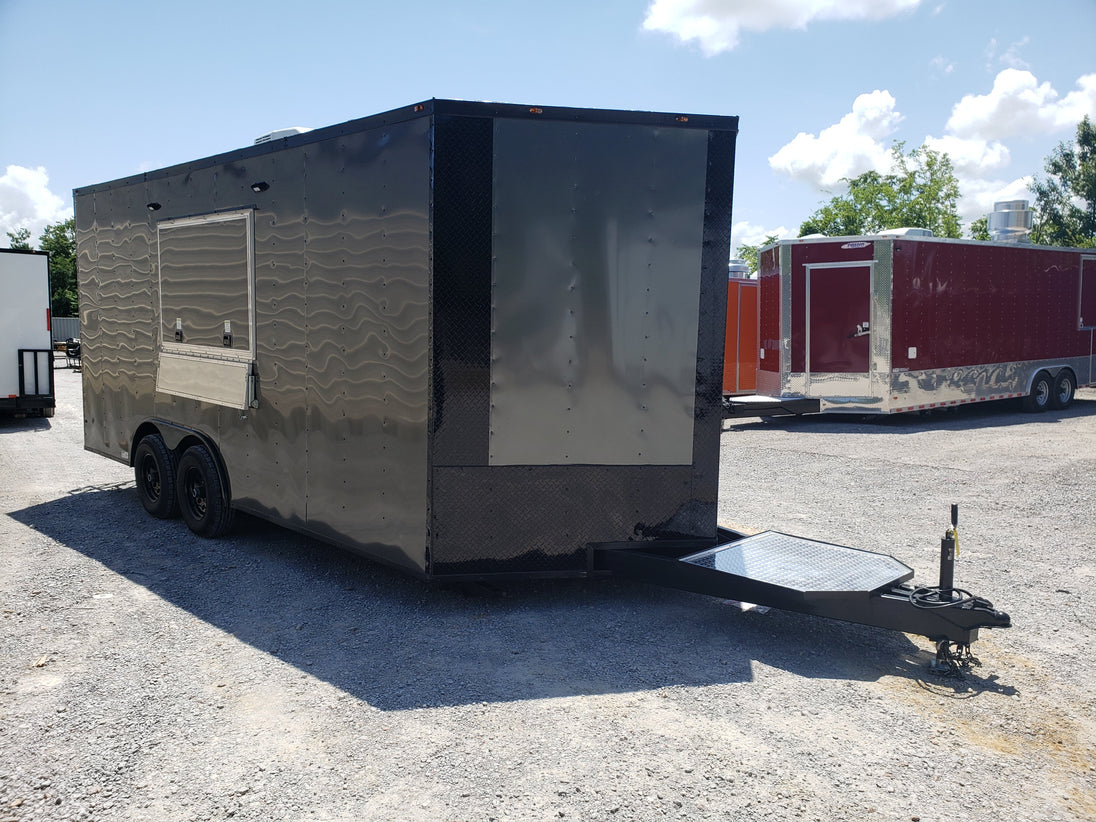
[(465, 339)]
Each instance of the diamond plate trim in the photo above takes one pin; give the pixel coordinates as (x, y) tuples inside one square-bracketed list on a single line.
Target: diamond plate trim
[(803, 565)]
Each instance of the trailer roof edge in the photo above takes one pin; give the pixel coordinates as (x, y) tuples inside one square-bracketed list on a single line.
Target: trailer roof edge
[(428, 108), (790, 241)]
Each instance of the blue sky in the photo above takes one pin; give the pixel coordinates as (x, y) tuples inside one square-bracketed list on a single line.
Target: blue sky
[(95, 91)]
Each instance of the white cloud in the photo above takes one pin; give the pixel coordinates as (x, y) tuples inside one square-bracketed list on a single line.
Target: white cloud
[(941, 65), (1019, 105), (979, 195), (971, 156), (848, 148), (1009, 57), (974, 138), (1012, 58), (27, 202), (746, 233), (717, 24)]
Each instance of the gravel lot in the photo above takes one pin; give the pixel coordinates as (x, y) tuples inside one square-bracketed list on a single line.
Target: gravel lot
[(150, 675)]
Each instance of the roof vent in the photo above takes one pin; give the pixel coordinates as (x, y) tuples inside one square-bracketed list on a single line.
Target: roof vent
[(738, 269), (281, 133), (906, 232), (1010, 222)]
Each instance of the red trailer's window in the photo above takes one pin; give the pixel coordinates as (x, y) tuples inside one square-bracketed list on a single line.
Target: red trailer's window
[(1086, 317)]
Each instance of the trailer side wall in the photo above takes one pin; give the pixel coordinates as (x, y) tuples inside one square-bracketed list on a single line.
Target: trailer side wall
[(339, 275), (964, 304)]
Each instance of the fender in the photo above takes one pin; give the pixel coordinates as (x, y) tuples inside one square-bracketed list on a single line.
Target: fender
[(175, 436)]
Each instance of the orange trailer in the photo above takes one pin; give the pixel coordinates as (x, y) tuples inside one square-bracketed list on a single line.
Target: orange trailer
[(740, 355)]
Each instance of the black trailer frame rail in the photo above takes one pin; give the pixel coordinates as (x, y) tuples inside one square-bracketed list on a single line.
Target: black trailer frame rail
[(806, 576), (757, 405)]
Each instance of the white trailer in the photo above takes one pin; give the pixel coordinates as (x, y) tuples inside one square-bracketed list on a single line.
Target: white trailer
[(26, 345)]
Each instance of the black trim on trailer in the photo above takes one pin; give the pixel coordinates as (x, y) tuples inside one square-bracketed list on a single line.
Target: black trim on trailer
[(759, 406), (428, 108)]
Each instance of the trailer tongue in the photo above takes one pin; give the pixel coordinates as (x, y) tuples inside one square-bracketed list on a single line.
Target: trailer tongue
[(818, 578)]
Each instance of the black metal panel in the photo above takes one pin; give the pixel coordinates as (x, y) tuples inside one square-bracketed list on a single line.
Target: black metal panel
[(713, 320), (462, 290), (539, 519), (505, 519)]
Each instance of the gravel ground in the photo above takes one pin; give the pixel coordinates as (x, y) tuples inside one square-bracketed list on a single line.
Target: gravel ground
[(147, 674)]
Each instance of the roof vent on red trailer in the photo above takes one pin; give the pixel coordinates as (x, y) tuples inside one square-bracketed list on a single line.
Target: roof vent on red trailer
[(906, 232), (1010, 222)]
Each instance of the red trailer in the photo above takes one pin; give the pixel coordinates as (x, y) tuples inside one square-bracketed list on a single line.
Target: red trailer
[(902, 323)]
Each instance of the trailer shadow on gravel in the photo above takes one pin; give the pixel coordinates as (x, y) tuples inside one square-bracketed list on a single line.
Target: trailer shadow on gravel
[(398, 643), (10, 424), (998, 414)]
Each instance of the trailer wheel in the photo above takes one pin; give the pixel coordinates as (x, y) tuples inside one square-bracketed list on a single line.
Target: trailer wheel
[(154, 471), (1065, 386), (1042, 389), (201, 494)]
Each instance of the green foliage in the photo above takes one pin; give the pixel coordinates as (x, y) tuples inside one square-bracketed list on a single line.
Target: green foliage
[(19, 239), (979, 229), (1065, 202), (750, 253), (921, 191), (59, 240)]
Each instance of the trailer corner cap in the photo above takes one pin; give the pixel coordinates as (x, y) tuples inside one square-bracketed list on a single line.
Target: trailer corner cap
[(811, 568)]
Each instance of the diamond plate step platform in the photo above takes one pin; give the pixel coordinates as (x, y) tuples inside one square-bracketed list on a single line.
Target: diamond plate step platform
[(807, 567)]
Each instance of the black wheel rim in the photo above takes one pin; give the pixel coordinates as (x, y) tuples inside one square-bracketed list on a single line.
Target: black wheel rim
[(194, 492), (150, 476)]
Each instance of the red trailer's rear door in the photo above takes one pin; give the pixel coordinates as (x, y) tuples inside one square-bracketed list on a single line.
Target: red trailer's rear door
[(1086, 315), (838, 319)]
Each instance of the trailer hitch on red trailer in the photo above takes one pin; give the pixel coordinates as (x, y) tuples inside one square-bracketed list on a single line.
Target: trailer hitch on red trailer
[(818, 578)]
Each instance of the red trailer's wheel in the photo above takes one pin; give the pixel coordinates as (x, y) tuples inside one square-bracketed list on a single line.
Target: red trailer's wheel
[(202, 500), (1042, 389), (1065, 386), (154, 472)]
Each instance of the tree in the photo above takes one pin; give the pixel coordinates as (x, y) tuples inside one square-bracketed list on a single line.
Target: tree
[(920, 191), (19, 239), (1065, 202), (979, 229), (59, 241), (749, 253)]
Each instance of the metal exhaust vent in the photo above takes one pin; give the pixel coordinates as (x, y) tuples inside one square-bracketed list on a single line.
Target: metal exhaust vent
[(1010, 222)]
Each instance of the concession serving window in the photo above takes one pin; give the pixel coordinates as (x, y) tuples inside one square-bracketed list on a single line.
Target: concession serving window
[(207, 308)]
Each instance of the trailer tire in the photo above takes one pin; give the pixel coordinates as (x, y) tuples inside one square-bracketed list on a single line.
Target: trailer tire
[(1042, 389), (202, 499), (1065, 387), (154, 471)]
